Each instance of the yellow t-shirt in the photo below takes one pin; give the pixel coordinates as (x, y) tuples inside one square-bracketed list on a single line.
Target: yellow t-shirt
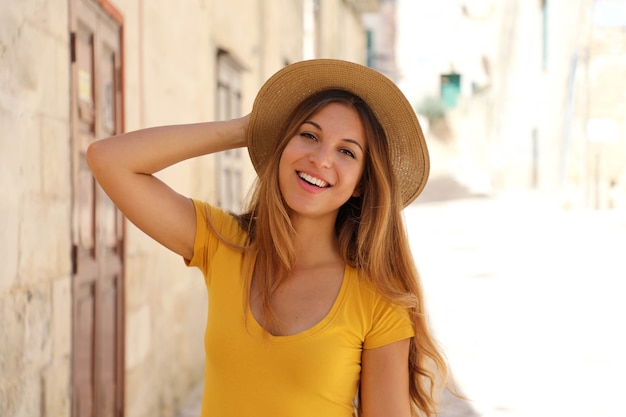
[(249, 372)]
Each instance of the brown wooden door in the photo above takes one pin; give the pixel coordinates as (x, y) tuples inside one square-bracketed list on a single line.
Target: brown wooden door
[(97, 355)]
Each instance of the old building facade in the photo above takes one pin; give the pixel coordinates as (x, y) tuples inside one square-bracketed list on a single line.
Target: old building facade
[(96, 318), (539, 97)]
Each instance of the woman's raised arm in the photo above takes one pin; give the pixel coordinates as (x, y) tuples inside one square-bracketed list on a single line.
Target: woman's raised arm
[(124, 166)]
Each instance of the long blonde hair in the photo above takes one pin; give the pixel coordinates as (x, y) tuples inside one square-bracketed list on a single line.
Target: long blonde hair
[(371, 237)]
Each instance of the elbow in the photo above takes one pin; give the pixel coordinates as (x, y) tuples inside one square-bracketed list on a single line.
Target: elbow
[(90, 154), (96, 155)]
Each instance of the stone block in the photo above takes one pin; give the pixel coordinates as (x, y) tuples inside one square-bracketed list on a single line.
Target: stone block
[(142, 391), (38, 326), (54, 98), (37, 63), (61, 317), (10, 23), (9, 212), (137, 281), (29, 394), (31, 10), (138, 242), (26, 167), (10, 396), (21, 397), (12, 323), (49, 16), (56, 389), (45, 247), (138, 336), (55, 159), (24, 45)]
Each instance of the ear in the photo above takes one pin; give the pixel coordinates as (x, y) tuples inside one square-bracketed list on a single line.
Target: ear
[(357, 191)]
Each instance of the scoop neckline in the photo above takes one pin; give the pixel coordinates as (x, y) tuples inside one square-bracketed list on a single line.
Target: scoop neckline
[(316, 328)]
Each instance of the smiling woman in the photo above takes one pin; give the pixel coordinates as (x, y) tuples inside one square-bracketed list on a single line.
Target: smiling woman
[(319, 169), (315, 305)]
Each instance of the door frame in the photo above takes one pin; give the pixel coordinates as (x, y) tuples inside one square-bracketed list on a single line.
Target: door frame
[(114, 14)]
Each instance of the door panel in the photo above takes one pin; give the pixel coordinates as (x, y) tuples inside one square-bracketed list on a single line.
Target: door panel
[(97, 225), (107, 348), (83, 353)]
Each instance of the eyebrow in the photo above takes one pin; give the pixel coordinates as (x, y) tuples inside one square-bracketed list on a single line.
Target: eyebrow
[(311, 122)]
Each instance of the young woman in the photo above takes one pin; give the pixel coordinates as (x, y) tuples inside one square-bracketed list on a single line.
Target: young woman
[(315, 306)]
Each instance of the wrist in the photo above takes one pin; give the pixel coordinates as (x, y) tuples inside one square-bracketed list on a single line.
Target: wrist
[(243, 132)]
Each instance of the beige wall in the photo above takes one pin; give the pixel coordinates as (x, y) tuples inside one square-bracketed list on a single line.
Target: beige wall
[(342, 34), (34, 208), (169, 72), (605, 159), (525, 96)]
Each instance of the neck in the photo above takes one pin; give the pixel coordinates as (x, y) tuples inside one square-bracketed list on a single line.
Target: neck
[(316, 242)]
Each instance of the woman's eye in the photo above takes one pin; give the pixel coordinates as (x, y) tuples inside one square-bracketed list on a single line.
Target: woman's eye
[(348, 152), (308, 135)]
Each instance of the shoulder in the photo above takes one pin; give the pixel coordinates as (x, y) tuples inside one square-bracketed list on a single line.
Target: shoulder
[(225, 225), (369, 296), (385, 321), (367, 291)]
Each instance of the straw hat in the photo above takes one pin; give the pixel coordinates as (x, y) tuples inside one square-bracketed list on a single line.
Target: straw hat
[(294, 83)]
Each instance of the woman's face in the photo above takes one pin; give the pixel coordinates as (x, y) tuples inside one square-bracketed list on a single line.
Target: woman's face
[(322, 164)]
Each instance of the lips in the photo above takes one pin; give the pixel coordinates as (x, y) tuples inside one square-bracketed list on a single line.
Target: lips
[(313, 180)]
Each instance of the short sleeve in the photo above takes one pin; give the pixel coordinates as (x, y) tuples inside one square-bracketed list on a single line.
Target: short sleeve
[(209, 221), (390, 323)]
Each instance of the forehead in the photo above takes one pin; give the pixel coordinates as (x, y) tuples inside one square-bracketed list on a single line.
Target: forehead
[(332, 112), (339, 118)]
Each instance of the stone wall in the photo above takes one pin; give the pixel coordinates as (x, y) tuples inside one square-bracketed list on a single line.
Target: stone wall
[(35, 195)]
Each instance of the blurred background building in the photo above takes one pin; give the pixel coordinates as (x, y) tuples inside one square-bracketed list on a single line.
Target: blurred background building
[(522, 94), (96, 318)]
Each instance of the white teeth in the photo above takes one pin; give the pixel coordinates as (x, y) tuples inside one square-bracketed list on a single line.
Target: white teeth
[(312, 180)]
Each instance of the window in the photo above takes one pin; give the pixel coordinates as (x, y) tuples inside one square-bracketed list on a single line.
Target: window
[(229, 164), (450, 89)]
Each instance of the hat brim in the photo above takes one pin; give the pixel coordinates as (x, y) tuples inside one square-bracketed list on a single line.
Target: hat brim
[(287, 88)]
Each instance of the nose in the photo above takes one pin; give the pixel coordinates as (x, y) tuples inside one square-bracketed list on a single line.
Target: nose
[(321, 157)]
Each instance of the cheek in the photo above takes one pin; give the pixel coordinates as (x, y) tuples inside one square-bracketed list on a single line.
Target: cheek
[(358, 175), (286, 158), (283, 170), (359, 183), (288, 154)]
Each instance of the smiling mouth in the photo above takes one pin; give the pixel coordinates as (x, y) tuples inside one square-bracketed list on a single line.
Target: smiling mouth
[(313, 181)]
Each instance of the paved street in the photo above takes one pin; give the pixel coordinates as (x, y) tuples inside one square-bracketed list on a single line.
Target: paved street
[(528, 302)]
